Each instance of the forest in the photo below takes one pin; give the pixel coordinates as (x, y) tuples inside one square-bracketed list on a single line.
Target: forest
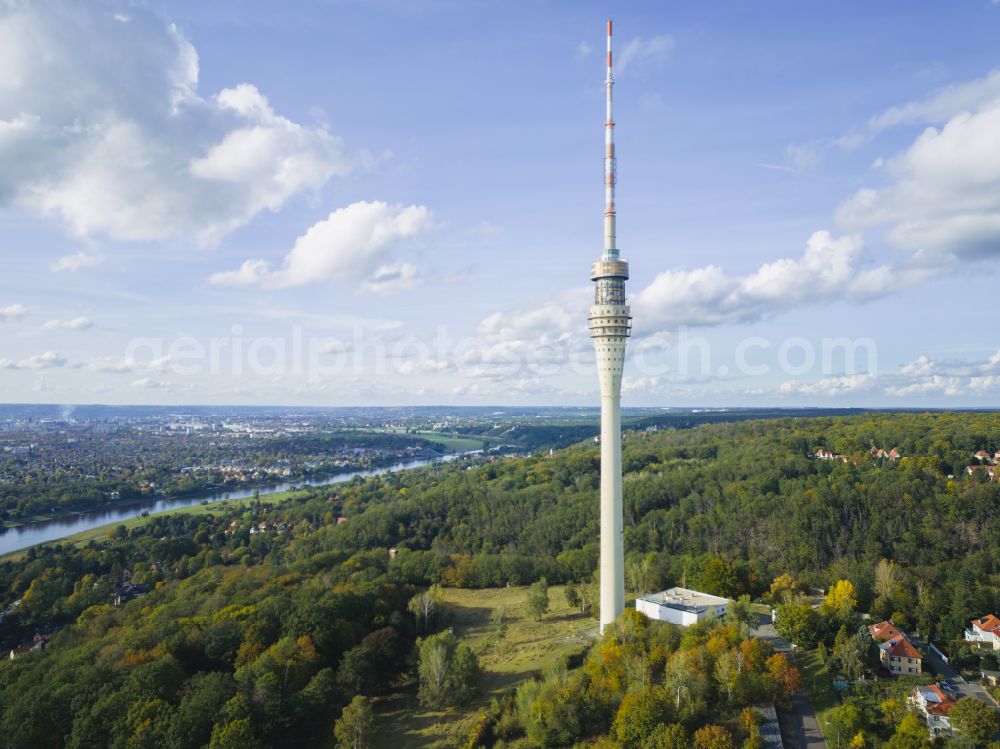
[(258, 625)]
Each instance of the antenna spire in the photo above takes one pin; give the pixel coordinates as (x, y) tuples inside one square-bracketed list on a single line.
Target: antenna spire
[(610, 166)]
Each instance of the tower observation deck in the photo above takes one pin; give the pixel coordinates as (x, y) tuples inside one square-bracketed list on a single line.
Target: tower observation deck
[(610, 323)]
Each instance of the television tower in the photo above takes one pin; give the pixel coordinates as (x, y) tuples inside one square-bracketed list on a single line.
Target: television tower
[(610, 324)]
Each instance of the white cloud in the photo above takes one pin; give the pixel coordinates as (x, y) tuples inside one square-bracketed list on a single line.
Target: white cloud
[(945, 193), (115, 364), (392, 279), (640, 52), (349, 242), (102, 125), (830, 386), (942, 104), (77, 323), (13, 312), (925, 386), (830, 269), (76, 261), (48, 360), (149, 384)]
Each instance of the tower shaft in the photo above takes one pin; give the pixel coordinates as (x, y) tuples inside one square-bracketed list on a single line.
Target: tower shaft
[(610, 325)]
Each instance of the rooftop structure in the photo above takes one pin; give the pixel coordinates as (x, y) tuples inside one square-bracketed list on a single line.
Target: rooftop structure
[(682, 606)]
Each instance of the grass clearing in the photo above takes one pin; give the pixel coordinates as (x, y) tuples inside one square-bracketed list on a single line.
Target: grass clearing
[(529, 647), (819, 684)]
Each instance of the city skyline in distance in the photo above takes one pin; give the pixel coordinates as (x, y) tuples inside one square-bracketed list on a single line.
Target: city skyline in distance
[(307, 225)]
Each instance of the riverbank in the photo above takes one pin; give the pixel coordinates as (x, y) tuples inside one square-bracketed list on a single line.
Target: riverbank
[(218, 489), (210, 508), (97, 525)]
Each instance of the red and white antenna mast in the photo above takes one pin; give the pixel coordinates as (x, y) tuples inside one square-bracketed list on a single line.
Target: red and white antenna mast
[(610, 168)]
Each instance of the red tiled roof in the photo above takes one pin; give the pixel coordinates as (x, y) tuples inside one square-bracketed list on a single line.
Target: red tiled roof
[(945, 702), (884, 631), (988, 623), (901, 647)]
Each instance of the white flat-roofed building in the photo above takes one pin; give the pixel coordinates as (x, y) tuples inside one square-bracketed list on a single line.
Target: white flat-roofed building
[(682, 606)]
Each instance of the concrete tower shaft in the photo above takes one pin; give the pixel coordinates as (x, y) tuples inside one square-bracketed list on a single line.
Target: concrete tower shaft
[(610, 324)]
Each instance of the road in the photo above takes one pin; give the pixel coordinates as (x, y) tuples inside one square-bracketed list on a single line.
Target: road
[(961, 686), (810, 735)]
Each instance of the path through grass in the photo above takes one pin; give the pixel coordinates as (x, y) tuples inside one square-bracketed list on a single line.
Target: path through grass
[(527, 648)]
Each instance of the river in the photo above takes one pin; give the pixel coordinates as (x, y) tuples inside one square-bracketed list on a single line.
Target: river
[(45, 531)]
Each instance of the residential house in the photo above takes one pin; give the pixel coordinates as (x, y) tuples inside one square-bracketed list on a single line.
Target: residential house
[(980, 470), (824, 454), (982, 456), (122, 594), (985, 630), (934, 704), (899, 656)]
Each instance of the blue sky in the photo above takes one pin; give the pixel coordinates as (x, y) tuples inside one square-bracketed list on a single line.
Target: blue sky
[(348, 203)]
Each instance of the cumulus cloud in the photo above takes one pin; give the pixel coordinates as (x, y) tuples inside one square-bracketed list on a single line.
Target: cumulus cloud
[(639, 52), (13, 312), (539, 338), (48, 360), (349, 242), (149, 384), (830, 386), (831, 268), (927, 375), (102, 125), (77, 323), (74, 262), (116, 364), (944, 193), (941, 105), (392, 278)]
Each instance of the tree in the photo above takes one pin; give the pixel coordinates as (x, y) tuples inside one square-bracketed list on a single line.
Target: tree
[(237, 734), (426, 607), (727, 670), (840, 601), (888, 580), (449, 671), (741, 611), (538, 599), (356, 727), (782, 588), (499, 621), (556, 715), (797, 623), (713, 737), (572, 595), (911, 733), (639, 714), (669, 736), (356, 673), (842, 723), (975, 720), (785, 676), (717, 577)]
